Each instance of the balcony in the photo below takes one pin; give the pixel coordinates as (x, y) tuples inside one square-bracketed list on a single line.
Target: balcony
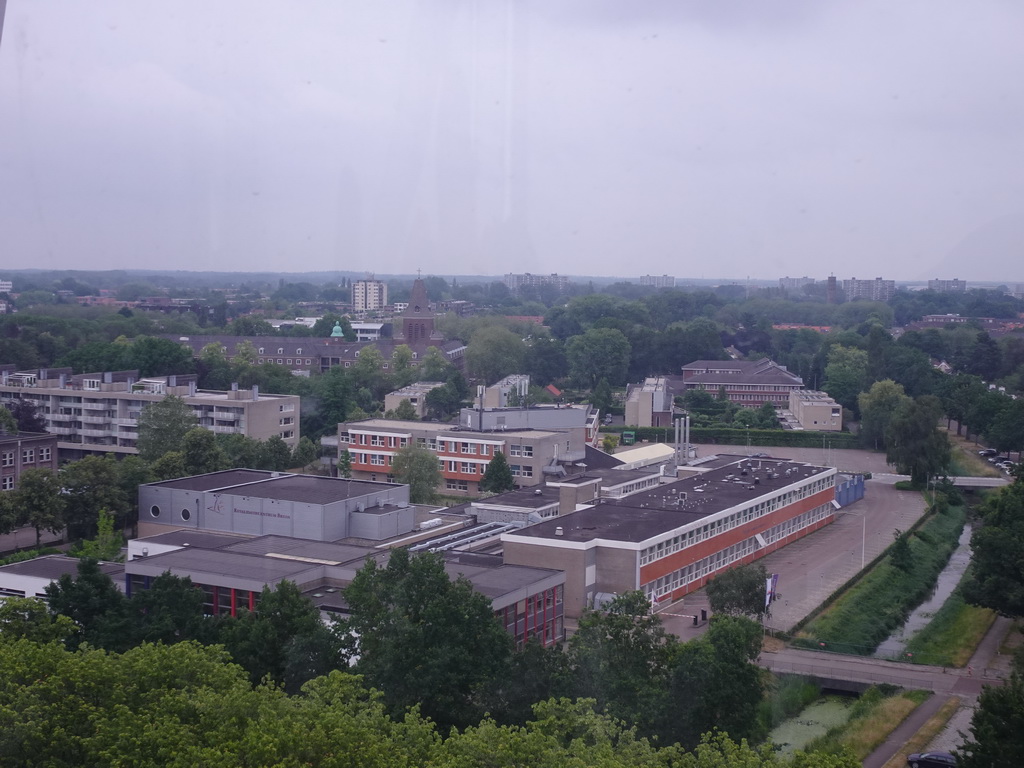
[(94, 432), (63, 431), (95, 419)]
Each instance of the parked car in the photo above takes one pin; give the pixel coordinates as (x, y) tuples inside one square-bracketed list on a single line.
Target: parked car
[(931, 760), (987, 452)]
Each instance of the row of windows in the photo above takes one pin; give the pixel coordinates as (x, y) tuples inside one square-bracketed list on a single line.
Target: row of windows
[(521, 450), (28, 456), (185, 514), (521, 470), (456, 485), (698, 570), (714, 528)]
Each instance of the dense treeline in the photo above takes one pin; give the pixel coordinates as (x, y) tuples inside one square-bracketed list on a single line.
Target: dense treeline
[(151, 673)]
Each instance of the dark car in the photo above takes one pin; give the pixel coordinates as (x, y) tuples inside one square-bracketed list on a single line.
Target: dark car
[(987, 452), (931, 760)]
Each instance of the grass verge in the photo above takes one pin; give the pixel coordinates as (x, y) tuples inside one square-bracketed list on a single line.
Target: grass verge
[(932, 727), (874, 717), (873, 607), (953, 633)]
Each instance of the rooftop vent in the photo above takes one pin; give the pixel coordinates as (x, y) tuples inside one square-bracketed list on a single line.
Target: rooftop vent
[(559, 531)]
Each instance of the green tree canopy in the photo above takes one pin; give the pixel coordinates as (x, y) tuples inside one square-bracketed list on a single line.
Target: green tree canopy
[(162, 427), (201, 452), (497, 477), (913, 441), (878, 406), (493, 353), (39, 501), (740, 592), (996, 577), (417, 467), (414, 631), (599, 353), (845, 374)]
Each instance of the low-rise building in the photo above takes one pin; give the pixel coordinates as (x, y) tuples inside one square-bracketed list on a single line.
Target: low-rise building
[(30, 578), (672, 539), (25, 450), (649, 404), (747, 383), (97, 413), (815, 410), (462, 453), (415, 393)]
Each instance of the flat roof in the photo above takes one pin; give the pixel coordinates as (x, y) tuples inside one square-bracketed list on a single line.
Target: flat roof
[(218, 562), (54, 566), (310, 489), (334, 552), (208, 482), (527, 498), (194, 538), (445, 430), (644, 515)]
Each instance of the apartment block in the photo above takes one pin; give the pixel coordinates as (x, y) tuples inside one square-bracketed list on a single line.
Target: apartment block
[(948, 286), (794, 284), (873, 290), (369, 295), (658, 281), (516, 282), (97, 413)]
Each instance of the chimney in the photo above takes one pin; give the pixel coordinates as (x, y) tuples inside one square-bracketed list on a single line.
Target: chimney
[(172, 380), (108, 377), (255, 391), (234, 386), (63, 380), (192, 389)]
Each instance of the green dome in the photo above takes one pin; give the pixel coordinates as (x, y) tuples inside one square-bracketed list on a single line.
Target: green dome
[(337, 332)]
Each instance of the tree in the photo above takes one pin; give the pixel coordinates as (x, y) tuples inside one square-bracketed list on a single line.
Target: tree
[(545, 360), (108, 541), (162, 427), (716, 684), (877, 408), (28, 618), (39, 501), (901, 555), (914, 443), (274, 454), (996, 577), (201, 452), (405, 411), (170, 611), (305, 453), (494, 352), (599, 353), (997, 726), (285, 638), (403, 372), (845, 374), (417, 467), (412, 631), (601, 397), (740, 592), (497, 477), (344, 463), (620, 657), (27, 415), (8, 424), (89, 485), (441, 402), (98, 608), (169, 466)]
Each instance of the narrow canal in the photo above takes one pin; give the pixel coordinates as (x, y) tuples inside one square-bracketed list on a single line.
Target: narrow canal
[(893, 647)]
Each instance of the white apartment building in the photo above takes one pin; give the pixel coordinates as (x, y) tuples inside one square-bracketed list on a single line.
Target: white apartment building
[(97, 413), (369, 295), (658, 281), (6, 286)]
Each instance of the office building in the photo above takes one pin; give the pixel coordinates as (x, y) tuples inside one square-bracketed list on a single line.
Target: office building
[(649, 404), (517, 282), (948, 286), (815, 411)]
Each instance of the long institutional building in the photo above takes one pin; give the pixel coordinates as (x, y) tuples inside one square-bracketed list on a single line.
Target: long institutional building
[(98, 413), (672, 538)]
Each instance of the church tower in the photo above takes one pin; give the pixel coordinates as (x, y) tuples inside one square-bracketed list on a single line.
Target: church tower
[(417, 326)]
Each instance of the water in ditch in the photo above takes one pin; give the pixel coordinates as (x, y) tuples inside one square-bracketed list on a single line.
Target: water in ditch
[(893, 646), (815, 720)]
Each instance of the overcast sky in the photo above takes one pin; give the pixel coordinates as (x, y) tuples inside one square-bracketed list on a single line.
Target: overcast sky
[(698, 138)]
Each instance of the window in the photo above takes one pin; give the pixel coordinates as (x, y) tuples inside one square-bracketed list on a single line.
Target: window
[(261, 350), (288, 361), (154, 511), (44, 454), (8, 460), (456, 485), (298, 351), (467, 468), (288, 433), (186, 515), (469, 448), (377, 459), (280, 351), (28, 456), (8, 483)]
